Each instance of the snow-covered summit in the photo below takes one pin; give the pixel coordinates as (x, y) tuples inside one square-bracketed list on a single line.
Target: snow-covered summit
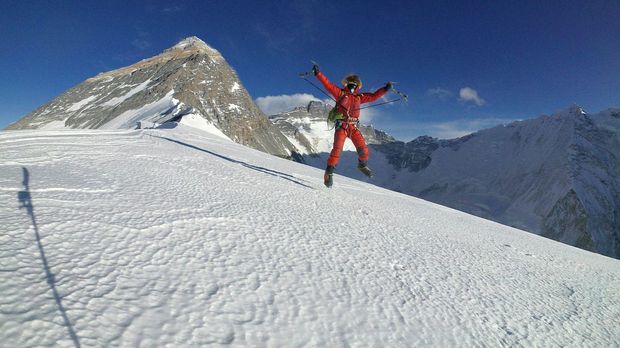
[(190, 78), (193, 43), (574, 109), (175, 237)]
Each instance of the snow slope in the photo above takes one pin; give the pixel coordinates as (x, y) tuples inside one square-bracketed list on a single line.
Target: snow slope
[(177, 237), (557, 176)]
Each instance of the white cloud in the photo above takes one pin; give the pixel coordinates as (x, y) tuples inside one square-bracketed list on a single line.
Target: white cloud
[(468, 94), (440, 93), (275, 104)]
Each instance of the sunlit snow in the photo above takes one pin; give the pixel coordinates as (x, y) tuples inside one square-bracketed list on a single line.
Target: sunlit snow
[(235, 87), (137, 89), (177, 237), (130, 118), (78, 105)]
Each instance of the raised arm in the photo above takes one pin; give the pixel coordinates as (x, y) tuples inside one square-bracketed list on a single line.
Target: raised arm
[(371, 97), (330, 87)]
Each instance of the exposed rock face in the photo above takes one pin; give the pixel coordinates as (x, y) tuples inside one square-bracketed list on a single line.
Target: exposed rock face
[(189, 78), (567, 222)]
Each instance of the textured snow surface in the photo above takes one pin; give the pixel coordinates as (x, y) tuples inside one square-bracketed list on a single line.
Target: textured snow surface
[(176, 237)]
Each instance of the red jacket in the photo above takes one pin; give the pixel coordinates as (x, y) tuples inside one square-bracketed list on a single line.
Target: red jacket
[(349, 103)]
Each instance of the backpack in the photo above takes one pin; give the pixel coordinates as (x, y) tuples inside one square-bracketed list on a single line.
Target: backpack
[(335, 115)]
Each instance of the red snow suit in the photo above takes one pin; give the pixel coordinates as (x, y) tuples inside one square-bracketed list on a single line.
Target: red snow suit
[(349, 104)]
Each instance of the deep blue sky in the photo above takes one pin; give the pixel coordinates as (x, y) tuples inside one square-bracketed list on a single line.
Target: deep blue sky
[(522, 58)]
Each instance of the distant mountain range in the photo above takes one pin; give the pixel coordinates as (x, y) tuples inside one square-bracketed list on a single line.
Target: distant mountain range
[(556, 176)]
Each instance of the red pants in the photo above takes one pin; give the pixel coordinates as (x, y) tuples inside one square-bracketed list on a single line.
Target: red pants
[(342, 133)]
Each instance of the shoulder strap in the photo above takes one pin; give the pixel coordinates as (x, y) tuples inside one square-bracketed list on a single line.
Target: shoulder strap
[(342, 94)]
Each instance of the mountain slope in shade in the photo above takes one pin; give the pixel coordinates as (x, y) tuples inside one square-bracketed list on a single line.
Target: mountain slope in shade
[(176, 237), (189, 78), (557, 176)]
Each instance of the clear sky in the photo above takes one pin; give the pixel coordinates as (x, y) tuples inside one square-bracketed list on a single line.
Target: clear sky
[(466, 65)]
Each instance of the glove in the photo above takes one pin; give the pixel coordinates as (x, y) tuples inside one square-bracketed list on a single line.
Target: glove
[(315, 69), (389, 86)]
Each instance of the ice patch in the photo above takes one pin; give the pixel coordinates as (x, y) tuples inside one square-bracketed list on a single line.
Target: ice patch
[(117, 100), (235, 87), (234, 107), (77, 106), (149, 112)]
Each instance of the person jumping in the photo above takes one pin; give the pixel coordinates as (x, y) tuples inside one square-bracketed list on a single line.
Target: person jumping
[(348, 101)]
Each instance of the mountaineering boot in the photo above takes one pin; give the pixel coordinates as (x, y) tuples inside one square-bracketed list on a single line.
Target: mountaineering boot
[(362, 166), (328, 178)]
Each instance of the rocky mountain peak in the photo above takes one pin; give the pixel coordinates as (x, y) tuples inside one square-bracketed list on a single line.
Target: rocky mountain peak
[(575, 109), (192, 43), (570, 116), (315, 105), (615, 113), (190, 81), (187, 47), (317, 108)]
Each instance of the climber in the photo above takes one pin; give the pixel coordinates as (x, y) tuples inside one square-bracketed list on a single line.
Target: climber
[(346, 117)]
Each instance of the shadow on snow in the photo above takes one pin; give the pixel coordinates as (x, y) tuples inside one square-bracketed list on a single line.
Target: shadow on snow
[(247, 165), (25, 201)]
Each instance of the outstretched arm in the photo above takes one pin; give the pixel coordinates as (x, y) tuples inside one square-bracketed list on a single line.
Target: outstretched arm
[(371, 97), (330, 87)]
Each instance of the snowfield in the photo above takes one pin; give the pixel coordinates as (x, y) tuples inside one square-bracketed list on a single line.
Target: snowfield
[(176, 237)]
